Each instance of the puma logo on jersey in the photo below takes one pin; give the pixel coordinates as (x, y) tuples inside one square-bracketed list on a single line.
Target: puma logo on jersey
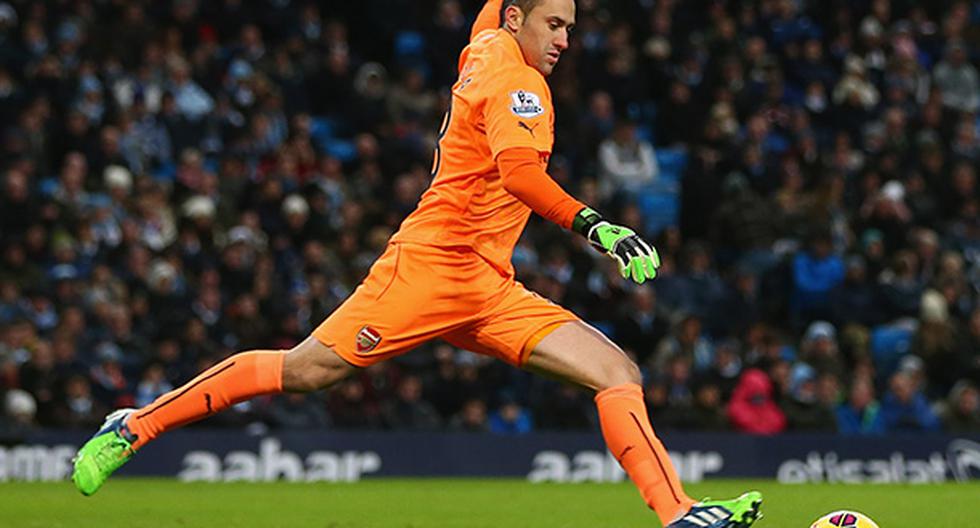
[(525, 126)]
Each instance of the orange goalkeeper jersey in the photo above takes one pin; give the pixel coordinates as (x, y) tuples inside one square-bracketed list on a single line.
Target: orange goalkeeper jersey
[(498, 102)]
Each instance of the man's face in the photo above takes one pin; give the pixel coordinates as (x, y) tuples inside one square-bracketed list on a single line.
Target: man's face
[(957, 56), (543, 35)]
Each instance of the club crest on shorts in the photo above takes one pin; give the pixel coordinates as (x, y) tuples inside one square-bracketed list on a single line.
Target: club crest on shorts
[(525, 104), (367, 339)]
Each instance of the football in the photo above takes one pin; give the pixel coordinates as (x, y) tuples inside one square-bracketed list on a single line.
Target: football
[(844, 519)]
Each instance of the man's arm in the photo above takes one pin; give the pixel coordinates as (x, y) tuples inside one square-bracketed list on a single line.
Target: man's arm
[(524, 177), (649, 160), (489, 18), (518, 119)]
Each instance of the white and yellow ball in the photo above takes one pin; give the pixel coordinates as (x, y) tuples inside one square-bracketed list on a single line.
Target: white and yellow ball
[(844, 519)]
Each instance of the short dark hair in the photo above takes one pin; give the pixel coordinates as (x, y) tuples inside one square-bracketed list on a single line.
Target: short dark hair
[(525, 5)]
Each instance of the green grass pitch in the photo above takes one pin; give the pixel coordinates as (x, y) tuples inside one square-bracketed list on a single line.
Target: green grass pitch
[(444, 503)]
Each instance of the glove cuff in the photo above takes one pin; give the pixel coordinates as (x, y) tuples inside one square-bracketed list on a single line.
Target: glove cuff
[(585, 220)]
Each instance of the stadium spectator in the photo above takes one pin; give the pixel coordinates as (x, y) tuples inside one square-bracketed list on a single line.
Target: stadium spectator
[(214, 178), (349, 409), (677, 376), (752, 408), (705, 413), (626, 163), (408, 410), (969, 359), (960, 412), (19, 411), (819, 349), (816, 272), (701, 283), (643, 325), (40, 377), (78, 408), (905, 408), (562, 409), (594, 126), (935, 342), (853, 301), (471, 418), (688, 341), (510, 418), (806, 408), (109, 383), (957, 79), (443, 387), (298, 412), (900, 290), (742, 226), (861, 413), (152, 385)]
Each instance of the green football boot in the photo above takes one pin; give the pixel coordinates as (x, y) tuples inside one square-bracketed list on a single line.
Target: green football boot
[(735, 513), (105, 452)]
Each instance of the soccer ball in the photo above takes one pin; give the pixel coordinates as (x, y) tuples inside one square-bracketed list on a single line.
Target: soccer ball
[(844, 519)]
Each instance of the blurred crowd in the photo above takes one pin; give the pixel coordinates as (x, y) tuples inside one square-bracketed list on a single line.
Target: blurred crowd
[(183, 179)]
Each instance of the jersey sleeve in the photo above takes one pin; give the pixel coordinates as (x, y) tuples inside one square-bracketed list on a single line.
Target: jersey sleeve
[(489, 18), (523, 175), (518, 113)]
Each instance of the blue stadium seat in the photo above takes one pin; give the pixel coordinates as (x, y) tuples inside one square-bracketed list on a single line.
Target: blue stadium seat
[(644, 112), (660, 210), (409, 44), (606, 327), (645, 133), (672, 160), (343, 150), (322, 131), (48, 186), (321, 128), (166, 172)]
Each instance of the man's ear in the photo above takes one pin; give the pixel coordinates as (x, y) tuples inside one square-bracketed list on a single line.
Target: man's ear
[(513, 18)]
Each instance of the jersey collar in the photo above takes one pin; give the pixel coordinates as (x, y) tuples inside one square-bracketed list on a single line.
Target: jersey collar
[(513, 49)]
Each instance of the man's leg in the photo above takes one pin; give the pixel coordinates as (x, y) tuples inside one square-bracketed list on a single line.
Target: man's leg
[(380, 320), (308, 366), (580, 354)]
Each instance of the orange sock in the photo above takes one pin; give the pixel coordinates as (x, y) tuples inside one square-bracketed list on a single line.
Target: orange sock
[(630, 438), (233, 380)]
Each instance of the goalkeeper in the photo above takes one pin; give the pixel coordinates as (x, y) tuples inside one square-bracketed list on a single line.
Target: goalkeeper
[(447, 274)]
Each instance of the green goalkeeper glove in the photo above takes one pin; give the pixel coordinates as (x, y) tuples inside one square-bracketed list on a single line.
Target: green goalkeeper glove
[(636, 259)]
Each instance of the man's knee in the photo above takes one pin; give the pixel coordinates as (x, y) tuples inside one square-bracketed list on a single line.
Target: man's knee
[(311, 365), (620, 372)]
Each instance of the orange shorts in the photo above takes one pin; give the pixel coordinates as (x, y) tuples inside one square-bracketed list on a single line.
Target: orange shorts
[(415, 293)]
